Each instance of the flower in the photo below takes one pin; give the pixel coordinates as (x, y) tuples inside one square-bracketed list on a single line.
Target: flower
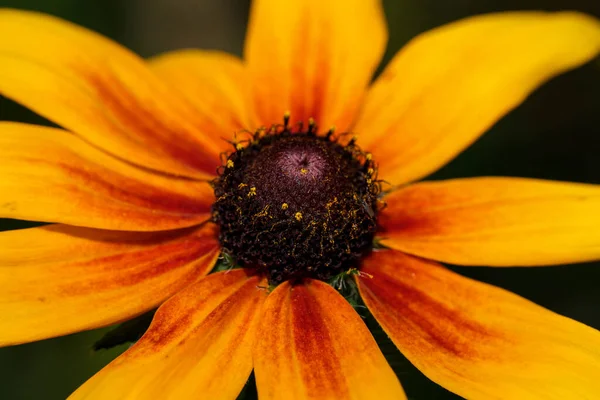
[(126, 185)]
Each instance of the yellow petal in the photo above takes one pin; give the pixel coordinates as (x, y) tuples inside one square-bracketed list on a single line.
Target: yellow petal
[(101, 91), (199, 346), (216, 84), (450, 85), (51, 175), (476, 340), (313, 58), (495, 221), (313, 345), (60, 279)]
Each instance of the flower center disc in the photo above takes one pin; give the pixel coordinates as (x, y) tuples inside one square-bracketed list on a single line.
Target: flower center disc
[(296, 205)]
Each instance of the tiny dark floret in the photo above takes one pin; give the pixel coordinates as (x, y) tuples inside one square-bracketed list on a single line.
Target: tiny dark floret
[(296, 204)]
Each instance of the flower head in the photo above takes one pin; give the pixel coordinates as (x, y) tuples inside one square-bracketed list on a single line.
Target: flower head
[(296, 205), (144, 195)]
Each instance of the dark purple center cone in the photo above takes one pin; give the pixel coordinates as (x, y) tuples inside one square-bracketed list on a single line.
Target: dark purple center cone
[(296, 205)]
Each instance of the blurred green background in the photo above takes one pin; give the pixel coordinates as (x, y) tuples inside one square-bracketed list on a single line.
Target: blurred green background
[(554, 135)]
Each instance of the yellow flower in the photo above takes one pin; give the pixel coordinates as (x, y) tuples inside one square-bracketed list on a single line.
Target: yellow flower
[(126, 184)]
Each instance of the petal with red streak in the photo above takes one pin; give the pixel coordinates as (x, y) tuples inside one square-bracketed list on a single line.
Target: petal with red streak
[(94, 87), (495, 221), (313, 345), (448, 86), (216, 84), (199, 345), (51, 175), (313, 58), (60, 279), (476, 340)]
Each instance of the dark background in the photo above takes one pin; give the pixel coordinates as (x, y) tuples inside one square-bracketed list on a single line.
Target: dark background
[(554, 135)]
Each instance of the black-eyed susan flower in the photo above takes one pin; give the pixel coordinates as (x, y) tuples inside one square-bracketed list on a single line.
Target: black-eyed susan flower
[(140, 214)]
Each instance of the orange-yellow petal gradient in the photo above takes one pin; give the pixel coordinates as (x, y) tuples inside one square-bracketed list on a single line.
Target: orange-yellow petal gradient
[(477, 340), (450, 85), (313, 58), (199, 346), (495, 221), (60, 279), (313, 345), (101, 91), (52, 175), (217, 85)]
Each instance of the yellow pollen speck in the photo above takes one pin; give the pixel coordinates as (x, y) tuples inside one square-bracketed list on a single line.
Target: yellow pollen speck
[(303, 171), (229, 164), (369, 181), (370, 171), (239, 146), (242, 185), (298, 216), (284, 206), (264, 212), (252, 191), (369, 156), (286, 114)]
